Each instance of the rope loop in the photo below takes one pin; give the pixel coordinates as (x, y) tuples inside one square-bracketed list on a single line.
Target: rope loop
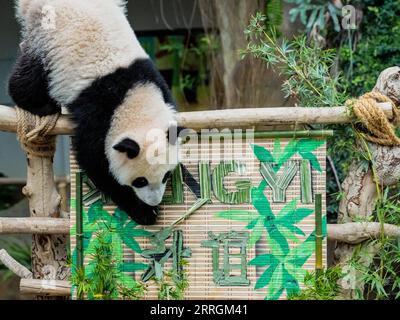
[(33, 133), (376, 128)]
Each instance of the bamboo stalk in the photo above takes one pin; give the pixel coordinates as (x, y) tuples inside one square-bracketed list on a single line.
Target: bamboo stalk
[(79, 221), (318, 232), (50, 288), (44, 226), (238, 118)]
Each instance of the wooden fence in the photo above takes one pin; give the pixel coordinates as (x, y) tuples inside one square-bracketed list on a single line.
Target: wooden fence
[(49, 225)]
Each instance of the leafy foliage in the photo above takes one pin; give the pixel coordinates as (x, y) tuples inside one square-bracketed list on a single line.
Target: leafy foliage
[(306, 66), (381, 278), (102, 279), (104, 236), (274, 13), (313, 14), (377, 49), (320, 285), (172, 286)]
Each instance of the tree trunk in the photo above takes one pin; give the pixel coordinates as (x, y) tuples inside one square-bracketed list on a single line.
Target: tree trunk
[(360, 190), (49, 252)]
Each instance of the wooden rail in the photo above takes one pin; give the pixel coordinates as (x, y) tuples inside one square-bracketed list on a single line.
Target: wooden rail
[(49, 288), (228, 118), (34, 226), (20, 181)]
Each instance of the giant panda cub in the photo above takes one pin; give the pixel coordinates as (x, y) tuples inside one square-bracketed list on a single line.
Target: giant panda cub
[(83, 55)]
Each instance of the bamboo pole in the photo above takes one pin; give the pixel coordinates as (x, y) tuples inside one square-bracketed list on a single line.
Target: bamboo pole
[(318, 232), (237, 118), (42, 226), (49, 288)]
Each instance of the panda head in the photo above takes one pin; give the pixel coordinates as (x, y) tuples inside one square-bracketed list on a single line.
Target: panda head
[(138, 169), (138, 147)]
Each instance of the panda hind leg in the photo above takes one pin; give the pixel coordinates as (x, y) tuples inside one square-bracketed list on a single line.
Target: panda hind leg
[(28, 86)]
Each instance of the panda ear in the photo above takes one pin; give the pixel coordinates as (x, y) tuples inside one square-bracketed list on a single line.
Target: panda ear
[(173, 134), (128, 146)]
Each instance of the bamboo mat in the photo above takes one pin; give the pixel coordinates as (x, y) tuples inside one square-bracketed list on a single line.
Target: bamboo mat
[(204, 220)]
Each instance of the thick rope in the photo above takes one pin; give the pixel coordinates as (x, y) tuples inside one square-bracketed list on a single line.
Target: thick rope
[(376, 127), (33, 133)]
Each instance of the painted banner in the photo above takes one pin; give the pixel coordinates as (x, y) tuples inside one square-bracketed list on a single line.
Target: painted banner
[(241, 219)]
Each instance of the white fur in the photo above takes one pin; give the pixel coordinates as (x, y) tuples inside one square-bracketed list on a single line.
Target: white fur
[(151, 114), (79, 41)]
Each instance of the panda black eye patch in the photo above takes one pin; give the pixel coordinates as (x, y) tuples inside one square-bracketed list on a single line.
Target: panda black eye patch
[(166, 177), (140, 182)]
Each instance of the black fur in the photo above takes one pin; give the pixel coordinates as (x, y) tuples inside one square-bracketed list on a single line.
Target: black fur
[(92, 112), (28, 86), (128, 146)]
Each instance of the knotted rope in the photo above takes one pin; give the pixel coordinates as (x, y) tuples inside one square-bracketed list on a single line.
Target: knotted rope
[(376, 127), (33, 133)]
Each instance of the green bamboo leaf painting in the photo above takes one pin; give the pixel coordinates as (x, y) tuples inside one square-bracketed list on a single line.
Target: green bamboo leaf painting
[(288, 208), (117, 247), (294, 229), (288, 234), (289, 151), (309, 145), (237, 215), (276, 241), (275, 286), (266, 277), (255, 236), (263, 260), (252, 224), (132, 266), (295, 216), (262, 154), (291, 284), (277, 149), (295, 272), (261, 203), (131, 243)]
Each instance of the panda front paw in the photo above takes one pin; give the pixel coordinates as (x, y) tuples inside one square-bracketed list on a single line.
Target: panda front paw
[(144, 214)]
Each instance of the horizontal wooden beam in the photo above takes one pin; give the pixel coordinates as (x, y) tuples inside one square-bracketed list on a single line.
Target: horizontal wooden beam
[(51, 288), (34, 226), (227, 118), (357, 232), (21, 181)]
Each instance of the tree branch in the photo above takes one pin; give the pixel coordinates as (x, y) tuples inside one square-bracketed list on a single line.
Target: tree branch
[(357, 232), (14, 265)]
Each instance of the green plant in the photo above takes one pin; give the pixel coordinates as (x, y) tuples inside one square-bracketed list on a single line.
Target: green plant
[(104, 281), (320, 285), (378, 47), (173, 286), (274, 13), (313, 14), (381, 277), (307, 67)]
